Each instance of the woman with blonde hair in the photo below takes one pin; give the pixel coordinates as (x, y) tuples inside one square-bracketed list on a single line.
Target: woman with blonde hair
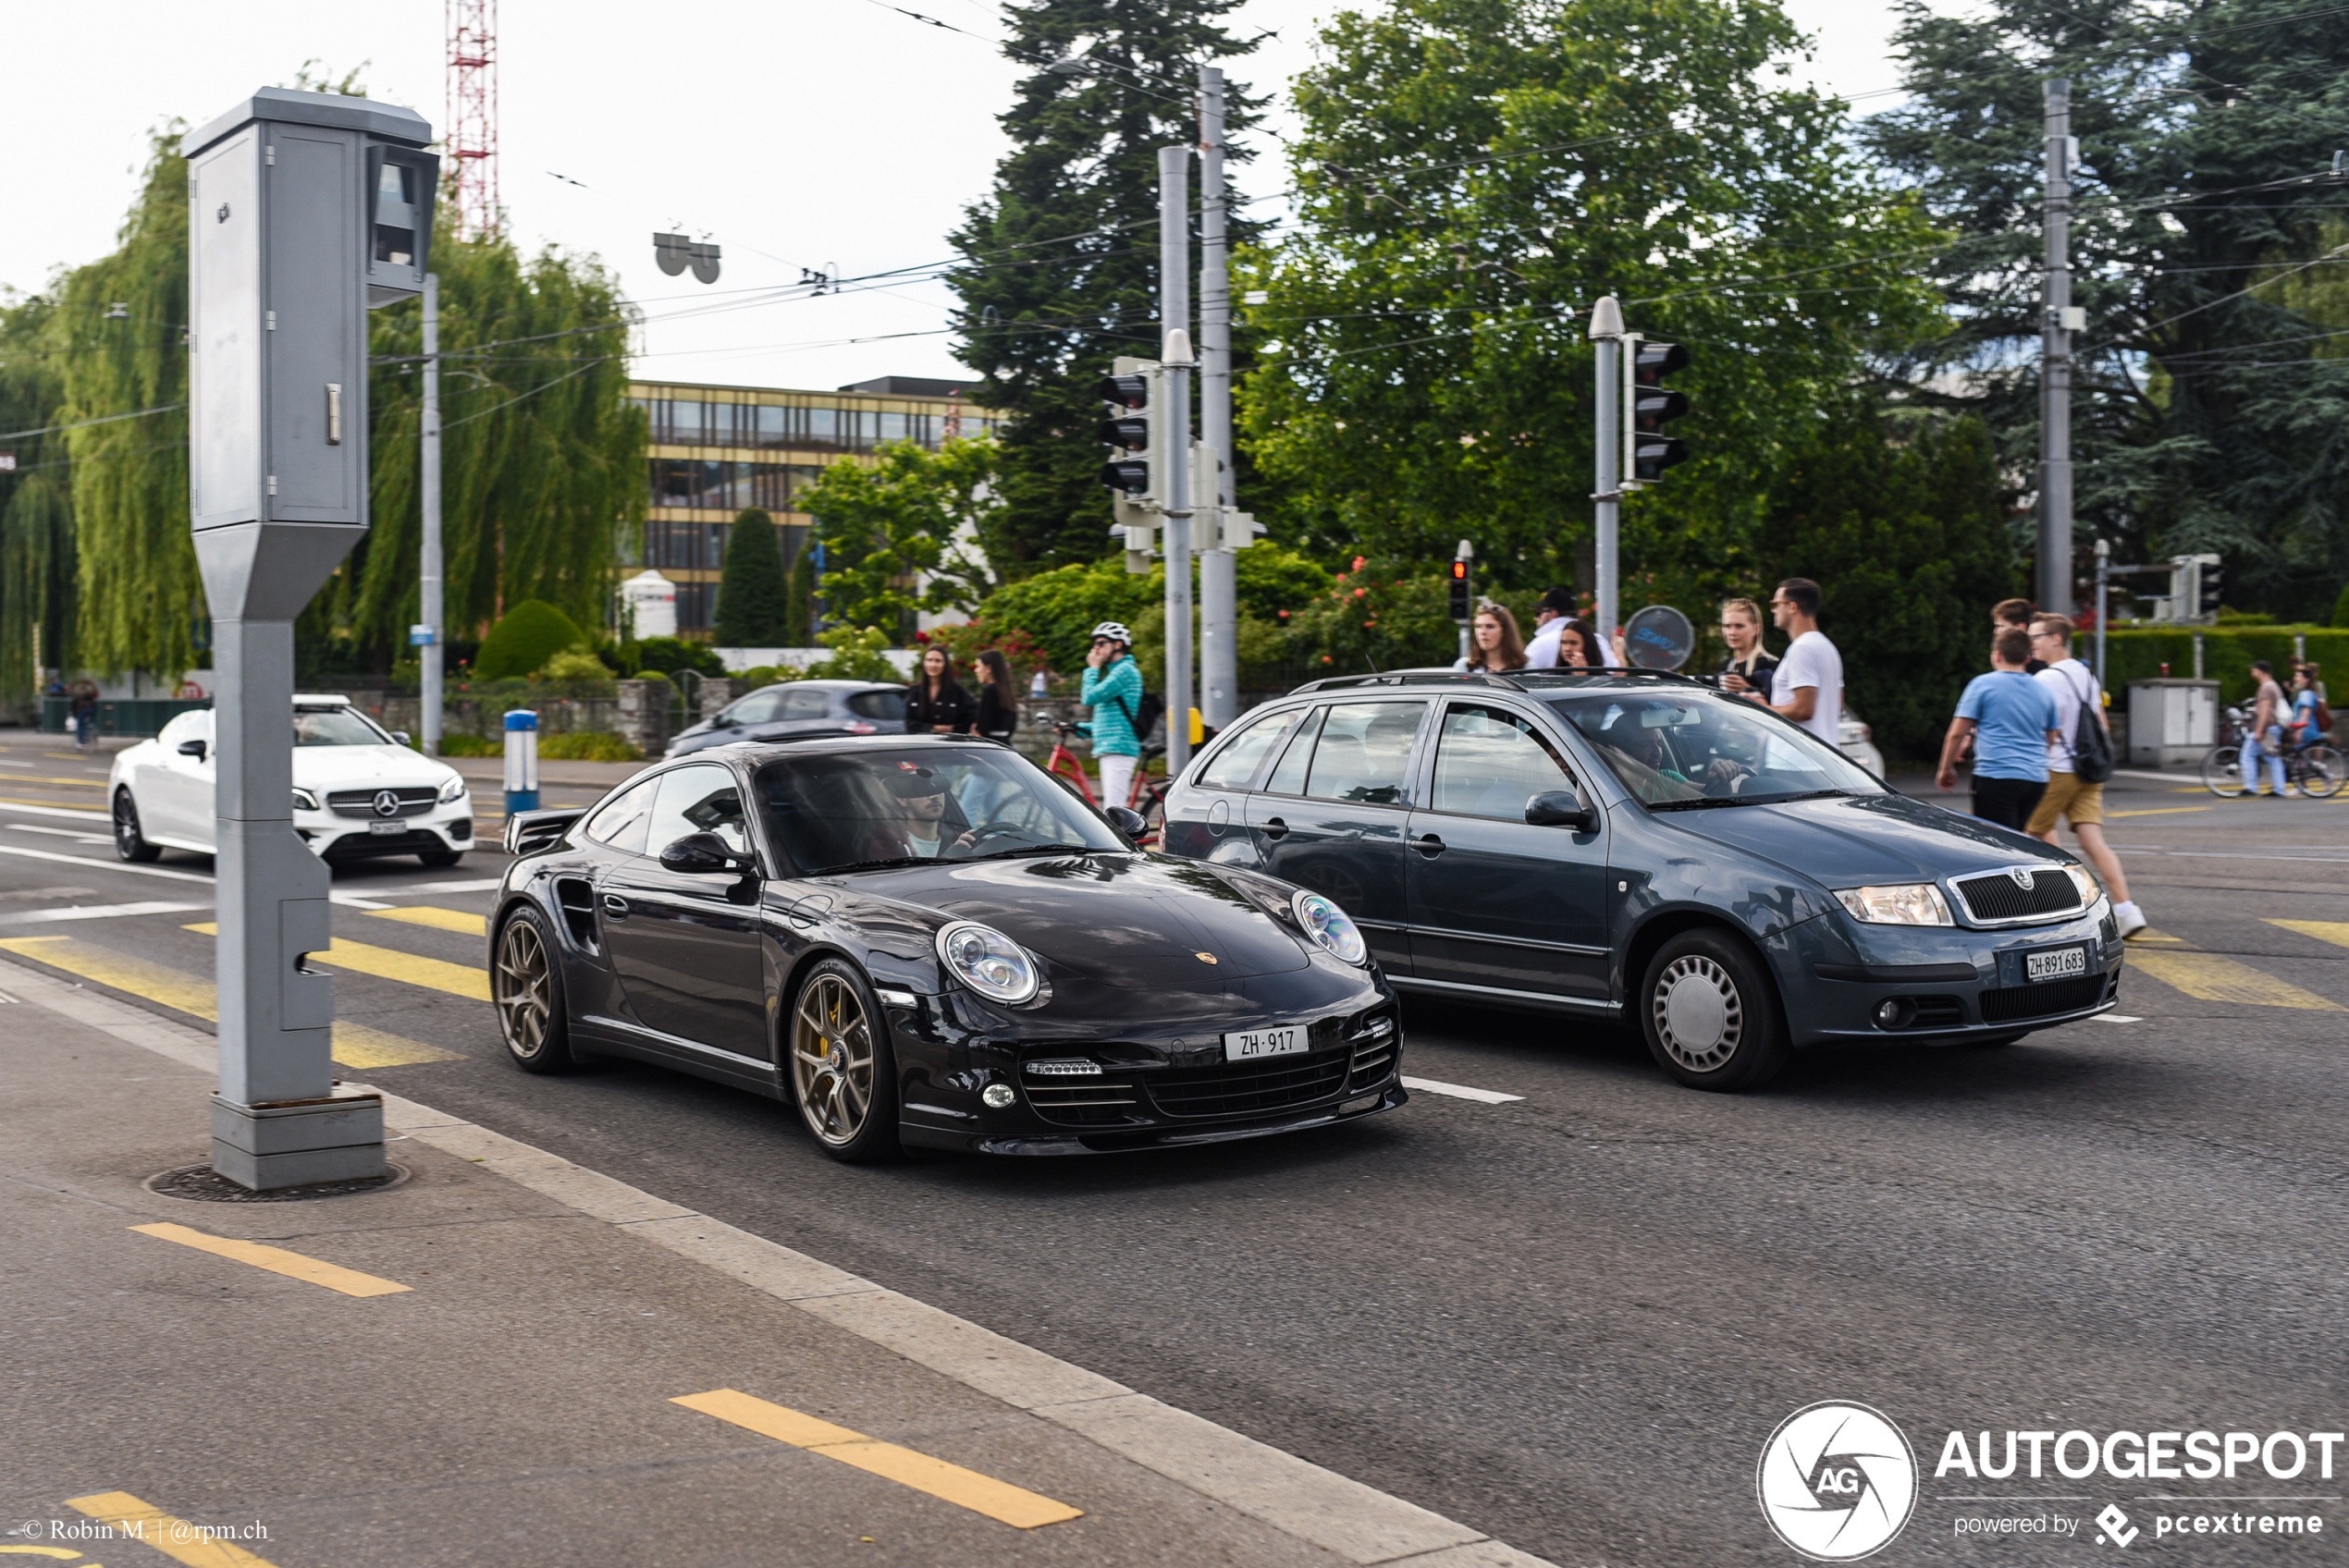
[(1494, 642)]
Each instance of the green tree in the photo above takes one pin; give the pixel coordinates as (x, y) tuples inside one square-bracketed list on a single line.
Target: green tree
[(37, 568), (2208, 402), (895, 534), (754, 602), (524, 639), (1060, 261), (802, 599), (1471, 175)]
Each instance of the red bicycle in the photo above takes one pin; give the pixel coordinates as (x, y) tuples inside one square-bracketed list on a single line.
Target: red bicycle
[(1148, 796)]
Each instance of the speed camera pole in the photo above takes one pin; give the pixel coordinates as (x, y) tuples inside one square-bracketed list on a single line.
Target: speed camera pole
[(1175, 306), (1606, 332), (307, 208), (427, 631)]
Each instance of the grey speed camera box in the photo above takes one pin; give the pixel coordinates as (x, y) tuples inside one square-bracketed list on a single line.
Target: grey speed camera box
[(307, 208)]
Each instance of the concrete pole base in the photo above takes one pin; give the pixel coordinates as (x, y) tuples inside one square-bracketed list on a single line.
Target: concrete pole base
[(337, 1138)]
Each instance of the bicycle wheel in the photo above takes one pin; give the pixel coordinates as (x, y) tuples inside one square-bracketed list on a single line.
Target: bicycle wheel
[(2222, 771), (2327, 771)]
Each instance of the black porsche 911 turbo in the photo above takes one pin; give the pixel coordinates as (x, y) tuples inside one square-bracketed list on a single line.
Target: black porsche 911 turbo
[(927, 940)]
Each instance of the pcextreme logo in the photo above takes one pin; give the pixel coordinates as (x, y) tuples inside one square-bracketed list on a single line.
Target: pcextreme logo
[(1836, 1481)]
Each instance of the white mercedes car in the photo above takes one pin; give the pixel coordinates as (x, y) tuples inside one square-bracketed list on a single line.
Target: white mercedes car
[(357, 790)]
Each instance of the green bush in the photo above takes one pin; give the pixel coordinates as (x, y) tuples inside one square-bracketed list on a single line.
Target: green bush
[(667, 656), (524, 639), (573, 664), (2341, 610), (2138, 654), (857, 655), (589, 745), (471, 746)]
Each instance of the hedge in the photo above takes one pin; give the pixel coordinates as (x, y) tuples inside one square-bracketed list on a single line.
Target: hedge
[(2227, 651)]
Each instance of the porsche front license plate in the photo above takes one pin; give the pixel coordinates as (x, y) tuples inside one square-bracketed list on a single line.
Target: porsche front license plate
[(381, 829), (2055, 964), (1248, 1044)]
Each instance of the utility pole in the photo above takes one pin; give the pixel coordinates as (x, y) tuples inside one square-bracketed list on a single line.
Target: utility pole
[(1607, 331), (1218, 565), (2055, 358), (428, 485), (1174, 305), (2103, 581)]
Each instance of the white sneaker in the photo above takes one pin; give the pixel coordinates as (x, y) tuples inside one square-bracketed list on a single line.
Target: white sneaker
[(2131, 918), (2292, 788)]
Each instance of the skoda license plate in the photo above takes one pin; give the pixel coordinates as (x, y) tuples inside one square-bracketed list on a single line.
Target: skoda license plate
[(382, 828), (1248, 1044), (2055, 964)]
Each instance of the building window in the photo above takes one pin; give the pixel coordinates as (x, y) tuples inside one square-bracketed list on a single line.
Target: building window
[(773, 426)]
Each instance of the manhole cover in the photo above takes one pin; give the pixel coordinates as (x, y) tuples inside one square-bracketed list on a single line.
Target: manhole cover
[(204, 1184)]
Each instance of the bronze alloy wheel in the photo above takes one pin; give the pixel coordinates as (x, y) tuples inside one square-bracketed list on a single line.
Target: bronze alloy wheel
[(130, 842), (832, 1058), (522, 982), (1700, 1017)]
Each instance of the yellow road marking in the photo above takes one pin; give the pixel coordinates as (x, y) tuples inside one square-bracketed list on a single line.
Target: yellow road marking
[(52, 806), (390, 963), (2214, 979), (2333, 931), (45, 1552), (355, 1045), (965, 1489), (292, 1265), (61, 783), (2148, 933), (2157, 811), (176, 1538), (455, 920)]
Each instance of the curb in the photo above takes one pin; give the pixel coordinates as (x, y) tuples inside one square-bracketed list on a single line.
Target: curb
[(1300, 1499)]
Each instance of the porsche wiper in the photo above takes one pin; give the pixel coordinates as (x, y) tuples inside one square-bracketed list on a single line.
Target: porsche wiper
[(875, 864), (1038, 849)]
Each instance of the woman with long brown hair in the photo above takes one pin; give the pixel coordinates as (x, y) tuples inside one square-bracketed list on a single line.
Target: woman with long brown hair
[(1578, 646), (1494, 642), (998, 714), (936, 703)]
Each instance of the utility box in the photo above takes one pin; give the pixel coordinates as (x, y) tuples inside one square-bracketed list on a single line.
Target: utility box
[(2172, 723)]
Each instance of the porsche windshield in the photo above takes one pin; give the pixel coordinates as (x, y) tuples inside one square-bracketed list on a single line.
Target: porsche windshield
[(838, 811), (1682, 749)]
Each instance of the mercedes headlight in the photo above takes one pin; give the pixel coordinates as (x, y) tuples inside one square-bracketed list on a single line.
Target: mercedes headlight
[(2084, 882), (1911, 903), (453, 790), (989, 963), (1330, 928), (303, 800)]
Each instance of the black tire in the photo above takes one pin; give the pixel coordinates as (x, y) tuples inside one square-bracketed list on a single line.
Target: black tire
[(1710, 1013), (2222, 772), (129, 841), (526, 985), (440, 859), (2326, 770), (843, 1073)]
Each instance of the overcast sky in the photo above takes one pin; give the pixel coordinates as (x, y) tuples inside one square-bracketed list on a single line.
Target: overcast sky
[(829, 134)]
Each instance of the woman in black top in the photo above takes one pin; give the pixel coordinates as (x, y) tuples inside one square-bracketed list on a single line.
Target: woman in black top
[(998, 714), (935, 705), (1748, 668)]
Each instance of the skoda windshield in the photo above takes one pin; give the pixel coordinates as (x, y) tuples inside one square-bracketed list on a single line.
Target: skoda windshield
[(1682, 748), (846, 811)]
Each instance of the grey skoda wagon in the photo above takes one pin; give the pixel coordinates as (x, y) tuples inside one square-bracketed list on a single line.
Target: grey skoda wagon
[(1645, 848)]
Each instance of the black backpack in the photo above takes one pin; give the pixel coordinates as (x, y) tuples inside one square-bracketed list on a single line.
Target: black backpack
[(2092, 747), (1153, 709)]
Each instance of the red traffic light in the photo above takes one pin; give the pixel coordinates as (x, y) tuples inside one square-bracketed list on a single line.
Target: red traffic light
[(1125, 391), (1459, 571)]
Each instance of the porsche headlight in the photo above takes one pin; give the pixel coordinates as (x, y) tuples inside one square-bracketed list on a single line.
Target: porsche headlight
[(1910, 903), (1330, 928), (989, 962), (454, 790), (303, 800), (2084, 882)]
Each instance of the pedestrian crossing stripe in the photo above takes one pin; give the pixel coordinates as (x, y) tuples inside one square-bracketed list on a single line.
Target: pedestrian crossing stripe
[(2210, 978), (390, 963), (2333, 931), (455, 920)]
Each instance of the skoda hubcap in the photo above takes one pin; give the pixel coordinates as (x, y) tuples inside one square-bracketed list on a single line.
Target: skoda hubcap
[(1699, 1015)]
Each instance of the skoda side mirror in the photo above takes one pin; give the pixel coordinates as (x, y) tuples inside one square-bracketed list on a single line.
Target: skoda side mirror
[(1126, 821), (1560, 808), (698, 854), (195, 749)]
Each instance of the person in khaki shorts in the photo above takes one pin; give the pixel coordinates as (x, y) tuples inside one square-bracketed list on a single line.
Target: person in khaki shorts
[(2074, 684)]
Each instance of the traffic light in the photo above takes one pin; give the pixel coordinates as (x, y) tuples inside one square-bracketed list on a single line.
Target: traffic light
[(1132, 432), (2210, 581), (1463, 592), (1647, 404)]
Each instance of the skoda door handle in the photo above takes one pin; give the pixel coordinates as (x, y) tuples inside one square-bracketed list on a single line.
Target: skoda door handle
[(1429, 845), (1276, 828), (615, 907)]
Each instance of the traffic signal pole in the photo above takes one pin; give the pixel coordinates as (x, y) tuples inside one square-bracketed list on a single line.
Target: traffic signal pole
[(428, 488), (2055, 361), (1606, 332), (1175, 304), (1218, 563)]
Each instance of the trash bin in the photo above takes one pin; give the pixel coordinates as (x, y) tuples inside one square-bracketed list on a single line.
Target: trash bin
[(2172, 723)]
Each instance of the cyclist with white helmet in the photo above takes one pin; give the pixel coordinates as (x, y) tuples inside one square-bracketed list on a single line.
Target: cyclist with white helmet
[(1114, 690)]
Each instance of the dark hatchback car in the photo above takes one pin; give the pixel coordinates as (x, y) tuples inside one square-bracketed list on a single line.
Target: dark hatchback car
[(1645, 848), (798, 707), (929, 940)]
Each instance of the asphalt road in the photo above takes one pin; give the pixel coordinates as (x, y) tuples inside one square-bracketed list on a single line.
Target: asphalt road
[(1571, 1320)]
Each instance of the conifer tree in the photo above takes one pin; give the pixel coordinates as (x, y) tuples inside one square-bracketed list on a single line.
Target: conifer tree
[(1060, 262), (753, 604)]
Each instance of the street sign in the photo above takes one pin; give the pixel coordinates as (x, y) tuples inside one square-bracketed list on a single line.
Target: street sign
[(1658, 637)]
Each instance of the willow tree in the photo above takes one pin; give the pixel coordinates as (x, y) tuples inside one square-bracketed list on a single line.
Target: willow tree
[(36, 510)]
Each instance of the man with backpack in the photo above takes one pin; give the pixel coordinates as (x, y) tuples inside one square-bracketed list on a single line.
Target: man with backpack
[(2079, 761), (1114, 690)]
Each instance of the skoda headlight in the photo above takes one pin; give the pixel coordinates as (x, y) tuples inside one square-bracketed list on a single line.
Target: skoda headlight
[(1911, 903), (454, 790), (989, 962), (2084, 882), (303, 800), (1329, 927)]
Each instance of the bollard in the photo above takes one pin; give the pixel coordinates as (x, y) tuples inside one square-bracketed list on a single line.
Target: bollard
[(521, 761)]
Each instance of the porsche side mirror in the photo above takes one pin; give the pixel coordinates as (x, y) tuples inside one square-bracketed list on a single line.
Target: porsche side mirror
[(195, 749), (698, 854), (1560, 808), (1126, 821)]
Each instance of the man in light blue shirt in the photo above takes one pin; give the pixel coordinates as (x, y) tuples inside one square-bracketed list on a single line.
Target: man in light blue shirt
[(2013, 720)]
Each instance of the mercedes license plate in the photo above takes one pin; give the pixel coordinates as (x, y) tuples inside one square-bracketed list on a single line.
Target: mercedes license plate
[(1248, 1044), (2055, 964), (381, 830)]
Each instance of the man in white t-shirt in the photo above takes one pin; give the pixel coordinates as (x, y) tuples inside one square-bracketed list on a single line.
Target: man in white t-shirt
[(1549, 619), (1808, 684), (2079, 700)]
